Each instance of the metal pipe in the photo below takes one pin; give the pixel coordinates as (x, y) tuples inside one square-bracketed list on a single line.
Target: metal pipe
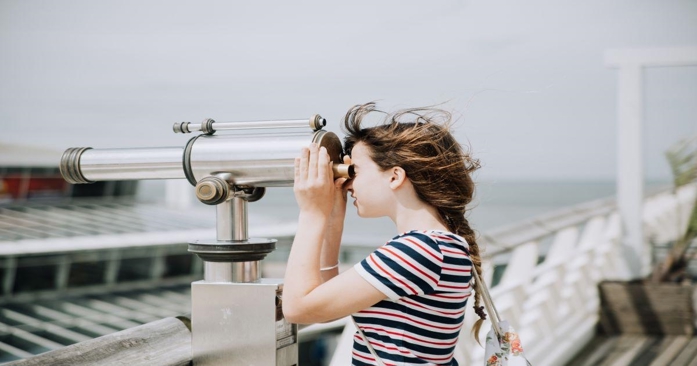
[(231, 272), (209, 126), (239, 218), (224, 221), (246, 271), (86, 165)]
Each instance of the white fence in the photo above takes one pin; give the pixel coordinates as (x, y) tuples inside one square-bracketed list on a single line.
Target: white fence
[(553, 264)]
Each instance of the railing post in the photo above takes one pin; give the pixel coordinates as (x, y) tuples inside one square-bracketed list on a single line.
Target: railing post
[(630, 177), (511, 291), (630, 108)]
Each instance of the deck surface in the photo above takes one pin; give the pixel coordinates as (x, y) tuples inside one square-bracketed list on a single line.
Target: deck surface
[(638, 350)]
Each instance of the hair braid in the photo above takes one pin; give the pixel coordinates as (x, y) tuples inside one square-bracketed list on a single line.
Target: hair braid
[(461, 227)]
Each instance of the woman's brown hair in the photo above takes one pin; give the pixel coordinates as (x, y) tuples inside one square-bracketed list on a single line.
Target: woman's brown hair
[(419, 141)]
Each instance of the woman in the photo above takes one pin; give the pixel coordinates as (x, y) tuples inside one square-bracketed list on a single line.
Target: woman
[(408, 296)]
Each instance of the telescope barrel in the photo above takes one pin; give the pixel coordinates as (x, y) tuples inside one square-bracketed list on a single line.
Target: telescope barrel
[(87, 165), (255, 160), (261, 160)]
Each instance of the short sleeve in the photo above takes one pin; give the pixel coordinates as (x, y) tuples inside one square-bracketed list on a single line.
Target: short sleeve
[(408, 265)]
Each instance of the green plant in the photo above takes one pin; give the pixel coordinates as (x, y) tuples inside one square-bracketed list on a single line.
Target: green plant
[(682, 158)]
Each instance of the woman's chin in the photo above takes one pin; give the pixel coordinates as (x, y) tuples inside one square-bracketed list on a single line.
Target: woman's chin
[(366, 215)]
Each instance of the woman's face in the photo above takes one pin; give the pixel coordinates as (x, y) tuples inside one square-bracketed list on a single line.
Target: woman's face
[(370, 187)]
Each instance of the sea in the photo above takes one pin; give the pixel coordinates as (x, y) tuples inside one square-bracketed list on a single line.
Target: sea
[(496, 203)]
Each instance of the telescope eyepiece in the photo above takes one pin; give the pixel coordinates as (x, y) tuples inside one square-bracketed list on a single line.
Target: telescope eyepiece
[(343, 171)]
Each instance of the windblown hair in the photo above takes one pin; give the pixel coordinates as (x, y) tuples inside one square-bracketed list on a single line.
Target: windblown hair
[(419, 141)]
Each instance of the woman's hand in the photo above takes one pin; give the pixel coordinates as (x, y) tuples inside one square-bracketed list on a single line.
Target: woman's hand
[(322, 202), (340, 196), (313, 186), (307, 296), (335, 228)]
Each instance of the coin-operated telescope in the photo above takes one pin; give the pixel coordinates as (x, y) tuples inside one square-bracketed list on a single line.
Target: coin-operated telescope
[(237, 317)]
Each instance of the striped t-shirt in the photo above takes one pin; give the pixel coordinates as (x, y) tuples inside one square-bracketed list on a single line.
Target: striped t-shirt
[(426, 276)]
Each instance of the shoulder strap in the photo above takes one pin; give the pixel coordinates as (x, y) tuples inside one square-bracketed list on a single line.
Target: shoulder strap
[(491, 309), (488, 303), (367, 343)]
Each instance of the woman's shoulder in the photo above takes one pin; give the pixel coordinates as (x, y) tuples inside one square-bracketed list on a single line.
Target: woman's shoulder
[(433, 237)]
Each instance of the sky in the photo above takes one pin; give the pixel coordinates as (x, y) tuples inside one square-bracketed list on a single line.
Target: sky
[(526, 81)]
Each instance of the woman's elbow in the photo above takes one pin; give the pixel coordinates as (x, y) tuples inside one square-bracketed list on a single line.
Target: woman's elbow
[(293, 313)]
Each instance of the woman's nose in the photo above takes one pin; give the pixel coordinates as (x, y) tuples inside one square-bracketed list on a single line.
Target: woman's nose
[(349, 185)]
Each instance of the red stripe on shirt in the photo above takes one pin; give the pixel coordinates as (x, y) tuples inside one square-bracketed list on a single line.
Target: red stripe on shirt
[(412, 320), (411, 337), (455, 252), (429, 309), (397, 279), (411, 265), (427, 250)]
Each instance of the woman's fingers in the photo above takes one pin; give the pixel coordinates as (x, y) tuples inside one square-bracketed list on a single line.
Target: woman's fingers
[(314, 187), (339, 183), (312, 169), (323, 167), (296, 172), (304, 159), (313, 164)]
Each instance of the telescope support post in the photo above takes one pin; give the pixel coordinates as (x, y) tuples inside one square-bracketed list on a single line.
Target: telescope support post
[(237, 317), (231, 225), (239, 218), (223, 221), (231, 219)]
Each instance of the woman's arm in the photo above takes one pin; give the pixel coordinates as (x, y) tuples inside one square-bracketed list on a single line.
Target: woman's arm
[(306, 299)]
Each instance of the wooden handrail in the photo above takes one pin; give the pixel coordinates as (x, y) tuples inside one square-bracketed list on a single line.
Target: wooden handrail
[(165, 342)]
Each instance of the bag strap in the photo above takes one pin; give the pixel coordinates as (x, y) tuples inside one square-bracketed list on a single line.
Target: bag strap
[(491, 309), (488, 303), (367, 343)]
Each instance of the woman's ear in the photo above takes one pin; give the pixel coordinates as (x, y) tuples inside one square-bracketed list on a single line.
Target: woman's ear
[(398, 177)]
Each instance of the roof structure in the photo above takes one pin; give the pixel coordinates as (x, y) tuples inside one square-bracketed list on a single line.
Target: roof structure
[(12, 155), (72, 270)]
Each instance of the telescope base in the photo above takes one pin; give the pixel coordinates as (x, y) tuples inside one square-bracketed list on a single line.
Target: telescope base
[(241, 324)]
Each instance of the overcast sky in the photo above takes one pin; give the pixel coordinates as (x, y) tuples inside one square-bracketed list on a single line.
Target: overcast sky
[(526, 79)]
